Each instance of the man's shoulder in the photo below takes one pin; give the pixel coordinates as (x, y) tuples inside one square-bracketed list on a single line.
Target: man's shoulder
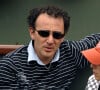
[(66, 43), (92, 79), (69, 45), (17, 52), (15, 59)]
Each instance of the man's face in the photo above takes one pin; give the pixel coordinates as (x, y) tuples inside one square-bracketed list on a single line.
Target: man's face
[(46, 47), (96, 71)]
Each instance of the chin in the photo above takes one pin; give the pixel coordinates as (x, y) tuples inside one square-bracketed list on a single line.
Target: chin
[(97, 78)]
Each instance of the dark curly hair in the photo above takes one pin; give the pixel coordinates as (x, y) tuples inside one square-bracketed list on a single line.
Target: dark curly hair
[(52, 11)]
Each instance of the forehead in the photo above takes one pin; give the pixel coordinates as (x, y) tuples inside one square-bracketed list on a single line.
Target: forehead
[(98, 65), (47, 21)]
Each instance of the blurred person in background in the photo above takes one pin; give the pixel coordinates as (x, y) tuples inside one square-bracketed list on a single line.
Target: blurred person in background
[(93, 56)]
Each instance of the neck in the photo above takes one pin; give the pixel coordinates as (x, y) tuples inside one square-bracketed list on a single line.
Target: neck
[(46, 61)]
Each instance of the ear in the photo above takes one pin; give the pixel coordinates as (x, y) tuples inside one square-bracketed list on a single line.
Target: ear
[(31, 32)]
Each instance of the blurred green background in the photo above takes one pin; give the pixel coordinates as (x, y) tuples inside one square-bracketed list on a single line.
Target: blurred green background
[(85, 18)]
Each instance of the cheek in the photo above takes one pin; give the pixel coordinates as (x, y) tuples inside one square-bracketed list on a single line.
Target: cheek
[(58, 44), (37, 42), (99, 71), (37, 45)]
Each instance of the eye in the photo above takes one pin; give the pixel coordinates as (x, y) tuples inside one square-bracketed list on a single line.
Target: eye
[(43, 33), (58, 35)]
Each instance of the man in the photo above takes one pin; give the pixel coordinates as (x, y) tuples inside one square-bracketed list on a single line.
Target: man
[(93, 56), (48, 62)]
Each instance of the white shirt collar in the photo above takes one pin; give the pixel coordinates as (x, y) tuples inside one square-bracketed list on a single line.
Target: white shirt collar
[(32, 56)]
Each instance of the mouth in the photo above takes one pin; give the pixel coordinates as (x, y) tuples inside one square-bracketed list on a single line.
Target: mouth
[(49, 49)]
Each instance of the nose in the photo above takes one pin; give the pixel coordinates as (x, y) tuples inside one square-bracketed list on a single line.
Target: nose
[(50, 39)]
